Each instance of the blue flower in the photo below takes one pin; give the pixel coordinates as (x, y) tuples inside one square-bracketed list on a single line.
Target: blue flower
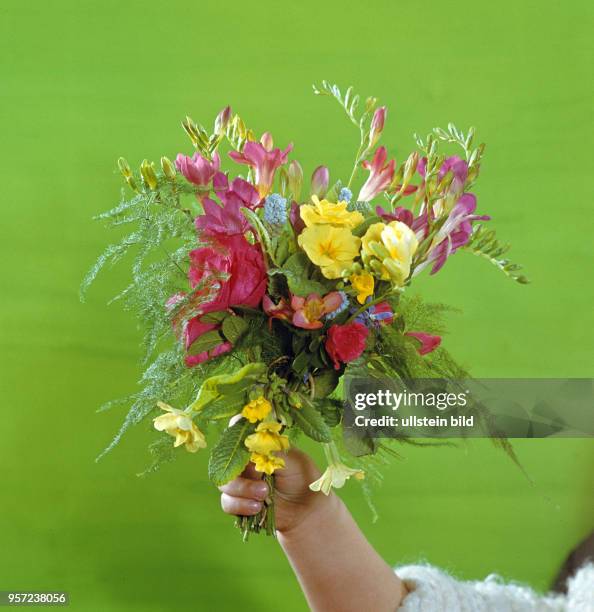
[(343, 306), (345, 195), (275, 209)]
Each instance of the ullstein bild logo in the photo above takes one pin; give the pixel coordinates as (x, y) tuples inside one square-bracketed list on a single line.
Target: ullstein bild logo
[(437, 408)]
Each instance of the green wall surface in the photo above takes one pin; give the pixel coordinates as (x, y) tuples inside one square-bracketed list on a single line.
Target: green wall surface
[(85, 82)]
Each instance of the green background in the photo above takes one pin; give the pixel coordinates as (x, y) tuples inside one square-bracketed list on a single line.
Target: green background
[(84, 82)]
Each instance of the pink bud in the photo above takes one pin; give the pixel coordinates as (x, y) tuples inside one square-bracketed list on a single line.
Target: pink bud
[(222, 120), (319, 181), (267, 141), (377, 125)]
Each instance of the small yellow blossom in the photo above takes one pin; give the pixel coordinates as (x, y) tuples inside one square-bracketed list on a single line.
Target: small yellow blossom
[(267, 439), (329, 213), (179, 425), (334, 477), (363, 284), (257, 409), (388, 250), (332, 248), (267, 463)]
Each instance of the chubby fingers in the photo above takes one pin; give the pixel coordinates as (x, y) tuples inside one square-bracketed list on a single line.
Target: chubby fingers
[(243, 496)]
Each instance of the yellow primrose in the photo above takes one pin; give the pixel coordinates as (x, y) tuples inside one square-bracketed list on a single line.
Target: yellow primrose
[(332, 248), (363, 284), (267, 463), (329, 213), (334, 477), (179, 424), (388, 250), (267, 439), (257, 409)]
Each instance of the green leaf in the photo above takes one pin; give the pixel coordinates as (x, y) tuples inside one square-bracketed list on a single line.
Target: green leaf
[(205, 342), (363, 227), (210, 391), (325, 383), (214, 317), (301, 362), (331, 411), (311, 422), (230, 456), (234, 328), (295, 270), (357, 445), (225, 406)]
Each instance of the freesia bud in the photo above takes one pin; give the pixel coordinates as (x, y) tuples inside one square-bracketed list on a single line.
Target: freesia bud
[(222, 120), (267, 141), (377, 125), (319, 181), (149, 177), (124, 168), (191, 130), (295, 179), (168, 168)]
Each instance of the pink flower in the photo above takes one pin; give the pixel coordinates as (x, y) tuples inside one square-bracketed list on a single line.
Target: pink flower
[(428, 342), (380, 177), (235, 269), (198, 169), (217, 219), (227, 219), (309, 310), (344, 343), (264, 160)]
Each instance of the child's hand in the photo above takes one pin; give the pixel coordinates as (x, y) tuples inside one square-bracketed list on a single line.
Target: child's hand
[(293, 500)]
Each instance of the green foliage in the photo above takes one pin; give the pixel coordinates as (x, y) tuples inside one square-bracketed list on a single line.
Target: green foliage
[(296, 270), (310, 421), (484, 243), (230, 456)]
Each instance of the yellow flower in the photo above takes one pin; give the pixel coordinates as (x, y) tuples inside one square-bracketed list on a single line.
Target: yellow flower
[(363, 284), (267, 463), (267, 439), (388, 250), (257, 409), (334, 477), (331, 248), (329, 213), (179, 424)]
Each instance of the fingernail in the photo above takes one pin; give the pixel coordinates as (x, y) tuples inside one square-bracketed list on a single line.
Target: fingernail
[(261, 489), (255, 506)]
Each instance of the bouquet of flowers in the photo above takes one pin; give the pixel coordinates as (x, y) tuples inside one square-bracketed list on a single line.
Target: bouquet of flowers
[(258, 290)]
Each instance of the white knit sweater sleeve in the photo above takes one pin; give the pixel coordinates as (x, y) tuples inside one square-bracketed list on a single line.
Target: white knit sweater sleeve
[(432, 590)]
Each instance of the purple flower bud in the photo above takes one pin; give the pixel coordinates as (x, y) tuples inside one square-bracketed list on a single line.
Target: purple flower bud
[(319, 181), (222, 120)]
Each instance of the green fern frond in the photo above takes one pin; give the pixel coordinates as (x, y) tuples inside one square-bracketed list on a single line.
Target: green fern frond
[(484, 243)]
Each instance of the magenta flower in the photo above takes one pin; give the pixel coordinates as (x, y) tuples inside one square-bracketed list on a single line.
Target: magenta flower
[(264, 161), (309, 310), (428, 342), (458, 167), (454, 233), (228, 219), (320, 180), (401, 214), (380, 177), (198, 169)]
